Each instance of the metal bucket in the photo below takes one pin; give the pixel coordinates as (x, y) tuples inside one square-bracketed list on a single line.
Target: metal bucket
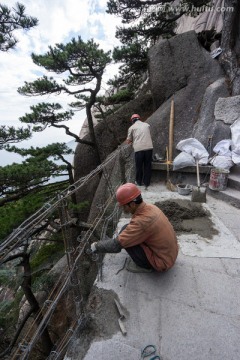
[(218, 179), (184, 189)]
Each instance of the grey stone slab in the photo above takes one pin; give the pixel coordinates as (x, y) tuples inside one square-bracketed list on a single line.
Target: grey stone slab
[(232, 267), (213, 264), (192, 334), (112, 350), (191, 312), (177, 283), (218, 293), (143, 323)]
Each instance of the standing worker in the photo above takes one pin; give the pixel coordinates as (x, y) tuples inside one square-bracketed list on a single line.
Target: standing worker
[(149, 238), (140, 137)]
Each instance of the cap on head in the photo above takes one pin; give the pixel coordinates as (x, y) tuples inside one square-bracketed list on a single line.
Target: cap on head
[(127, 193), (135, 117)]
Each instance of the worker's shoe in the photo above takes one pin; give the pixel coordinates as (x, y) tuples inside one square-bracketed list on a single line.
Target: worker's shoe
[(132, 267)]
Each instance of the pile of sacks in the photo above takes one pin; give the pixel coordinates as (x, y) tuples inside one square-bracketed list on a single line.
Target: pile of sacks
[(226, 153)]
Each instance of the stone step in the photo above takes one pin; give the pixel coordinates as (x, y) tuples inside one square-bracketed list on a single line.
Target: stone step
[(233, 182), (230, 195), (162, 166), (234, 178), (188, 175)]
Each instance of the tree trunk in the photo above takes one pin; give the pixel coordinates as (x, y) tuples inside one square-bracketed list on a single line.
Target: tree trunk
[(89, 106), (26, 286), (230, 44)]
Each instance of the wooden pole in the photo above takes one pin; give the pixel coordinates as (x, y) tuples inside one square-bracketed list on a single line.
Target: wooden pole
[(171, 126)]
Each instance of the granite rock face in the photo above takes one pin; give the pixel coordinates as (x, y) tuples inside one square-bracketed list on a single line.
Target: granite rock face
[(208, 125), (180, 68), (211, 18), (111, 132), (227, 109)]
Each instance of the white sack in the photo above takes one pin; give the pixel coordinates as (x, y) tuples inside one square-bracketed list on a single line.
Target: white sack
[(223, 147), (235, 131), (182, 160), (236, 155), (222, 162), (195, 148)]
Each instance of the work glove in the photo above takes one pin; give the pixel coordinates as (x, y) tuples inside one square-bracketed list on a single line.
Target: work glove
[(93, 247)]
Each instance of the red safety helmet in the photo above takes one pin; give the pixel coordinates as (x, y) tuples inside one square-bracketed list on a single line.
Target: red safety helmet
[(135, 116), (127, 193)]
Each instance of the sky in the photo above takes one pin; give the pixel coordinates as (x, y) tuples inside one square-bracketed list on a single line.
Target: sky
[(59, 22)]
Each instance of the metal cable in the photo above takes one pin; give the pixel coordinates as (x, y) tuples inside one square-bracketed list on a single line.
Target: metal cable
[(47, 316), (24, 231), (26, 228)]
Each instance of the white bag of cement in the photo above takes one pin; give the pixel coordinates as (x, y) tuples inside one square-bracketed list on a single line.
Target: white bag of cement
[(182, 160), (193, 147), (235, 131), (223, 147), (236, 155), (222, 162)]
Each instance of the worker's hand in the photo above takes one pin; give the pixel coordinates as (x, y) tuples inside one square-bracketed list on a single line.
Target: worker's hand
[(128, 141), (93, 247)]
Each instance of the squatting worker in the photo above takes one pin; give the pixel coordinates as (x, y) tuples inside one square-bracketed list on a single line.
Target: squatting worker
[(140, 137), (149, 238)]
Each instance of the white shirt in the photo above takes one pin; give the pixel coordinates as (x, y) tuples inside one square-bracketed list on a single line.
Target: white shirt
[(140, 136)]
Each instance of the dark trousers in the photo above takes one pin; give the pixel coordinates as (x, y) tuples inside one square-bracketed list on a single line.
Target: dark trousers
[(137, 254), (143, 162)]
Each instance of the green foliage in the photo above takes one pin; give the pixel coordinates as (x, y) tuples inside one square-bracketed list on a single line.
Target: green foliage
[(55, 151), (46, 114), (9, 311), (80, 206), (44, 282), (13, 214), (6, 277), (121, 96), (40, 86), (16, 180), (81, 64), (9, 134), (10, 20), (5, 309), (85, 57), (46, 254), (83, 61)]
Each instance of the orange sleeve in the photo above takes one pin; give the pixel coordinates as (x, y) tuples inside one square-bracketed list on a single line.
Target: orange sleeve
[(134, 234)]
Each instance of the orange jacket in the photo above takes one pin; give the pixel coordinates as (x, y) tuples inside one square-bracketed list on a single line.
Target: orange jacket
[(151, 229)]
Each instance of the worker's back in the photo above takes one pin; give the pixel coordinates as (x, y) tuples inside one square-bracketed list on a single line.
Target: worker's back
[(151, 229), (139, 134)]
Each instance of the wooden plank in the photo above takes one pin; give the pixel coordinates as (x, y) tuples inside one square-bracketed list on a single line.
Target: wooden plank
[(203, 169)]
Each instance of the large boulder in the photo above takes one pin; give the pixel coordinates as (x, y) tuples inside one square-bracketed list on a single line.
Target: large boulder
[(208, 126), (110, 133), (210, 19), (182, 69), (228, 109), (178, 63), (120, 168)]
